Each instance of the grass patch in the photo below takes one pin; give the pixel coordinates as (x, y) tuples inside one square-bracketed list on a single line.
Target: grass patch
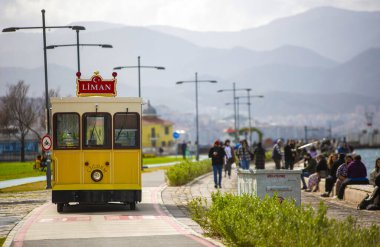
[(249, 221), (25, 187), (186, 171), (14, 170), (42, 184), (2, 240)]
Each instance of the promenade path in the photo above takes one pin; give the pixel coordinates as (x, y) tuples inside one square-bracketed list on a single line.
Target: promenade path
[(15, 206), (176, 198)]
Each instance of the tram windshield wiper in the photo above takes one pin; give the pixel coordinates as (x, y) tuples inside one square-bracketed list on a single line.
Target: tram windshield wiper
[(122, 126)]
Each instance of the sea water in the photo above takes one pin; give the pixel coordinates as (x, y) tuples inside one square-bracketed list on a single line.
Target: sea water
[(369, 157)]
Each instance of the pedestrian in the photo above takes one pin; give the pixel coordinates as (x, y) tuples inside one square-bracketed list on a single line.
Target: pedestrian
[(310, 165), (230, 158), (184, 149), (277, 154), (341, 173), (259, 156), (320, 172), (217, 153), (356, 174), (374, 172), (289, 154), (37, 162), (333, 164), (244, 155)]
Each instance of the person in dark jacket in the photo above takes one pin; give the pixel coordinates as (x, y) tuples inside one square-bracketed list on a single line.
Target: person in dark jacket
[(331, 178), (289, 154), (321, 172), (356, 174), (259, 156), (217, 153), (310, 165), (277, 154)]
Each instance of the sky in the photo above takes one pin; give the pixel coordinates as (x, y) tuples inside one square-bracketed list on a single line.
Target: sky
[(196, 15)]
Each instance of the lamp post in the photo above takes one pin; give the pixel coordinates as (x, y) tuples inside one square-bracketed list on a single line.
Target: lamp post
[(249, 110), (234, 89), (77, 45), (196, 81), (139, 68), (14, 29)]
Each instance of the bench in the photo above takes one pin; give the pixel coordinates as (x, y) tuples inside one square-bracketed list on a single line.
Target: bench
[(353, 193), (356, 192)]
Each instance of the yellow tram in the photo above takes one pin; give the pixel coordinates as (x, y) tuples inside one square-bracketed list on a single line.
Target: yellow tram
[(96, 150)]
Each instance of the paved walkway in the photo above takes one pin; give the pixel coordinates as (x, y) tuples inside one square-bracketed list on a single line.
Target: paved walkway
[(15, 182), (176, 198), (15, 206)]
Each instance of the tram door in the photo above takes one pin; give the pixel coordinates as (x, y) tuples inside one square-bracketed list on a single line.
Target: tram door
[(97, 147)]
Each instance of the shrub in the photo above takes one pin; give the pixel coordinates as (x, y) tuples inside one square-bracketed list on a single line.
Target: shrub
[(249, 221), (186, 171)]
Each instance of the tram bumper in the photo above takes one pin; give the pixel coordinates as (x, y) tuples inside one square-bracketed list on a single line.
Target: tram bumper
[(96, 196)]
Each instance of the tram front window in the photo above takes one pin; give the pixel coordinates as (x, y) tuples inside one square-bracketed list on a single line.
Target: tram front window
[(96, 130), (126, 130), (66, 134)]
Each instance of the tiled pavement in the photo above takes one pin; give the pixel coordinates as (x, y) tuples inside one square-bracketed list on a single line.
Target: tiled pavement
[(15, 206), (176, 198)]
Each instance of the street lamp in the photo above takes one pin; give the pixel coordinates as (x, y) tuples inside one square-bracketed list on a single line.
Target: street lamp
[(234, 89), (77, 45), (14, 29), (196, 109), (139, 67), (249, 110)]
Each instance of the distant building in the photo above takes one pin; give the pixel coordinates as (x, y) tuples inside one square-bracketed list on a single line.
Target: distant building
[(10, 146), (156, 132)]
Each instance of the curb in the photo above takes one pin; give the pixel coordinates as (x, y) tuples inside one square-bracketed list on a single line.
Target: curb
[(11, 235), (184, 226)]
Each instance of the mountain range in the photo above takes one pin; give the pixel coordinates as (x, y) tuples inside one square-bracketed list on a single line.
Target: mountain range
[(322, 61)]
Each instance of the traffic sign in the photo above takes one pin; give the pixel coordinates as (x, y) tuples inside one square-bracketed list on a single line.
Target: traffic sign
[(46, 143), (176, 135)]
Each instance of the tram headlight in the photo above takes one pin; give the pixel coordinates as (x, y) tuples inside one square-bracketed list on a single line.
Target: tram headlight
[(96, 175)]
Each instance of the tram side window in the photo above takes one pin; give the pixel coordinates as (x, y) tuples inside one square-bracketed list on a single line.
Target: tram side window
[(66, 134), (97, 130), (126, 130)]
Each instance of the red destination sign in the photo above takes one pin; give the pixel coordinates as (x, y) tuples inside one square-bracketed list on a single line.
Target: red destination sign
[(96, 86)]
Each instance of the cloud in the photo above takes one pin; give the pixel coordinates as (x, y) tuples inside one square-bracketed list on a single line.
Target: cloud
[(202, 15)]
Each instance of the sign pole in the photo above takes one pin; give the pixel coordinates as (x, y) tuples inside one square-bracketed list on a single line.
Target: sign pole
[(46, 144)]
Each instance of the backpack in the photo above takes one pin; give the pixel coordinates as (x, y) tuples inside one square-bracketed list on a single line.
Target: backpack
[(364, 203)]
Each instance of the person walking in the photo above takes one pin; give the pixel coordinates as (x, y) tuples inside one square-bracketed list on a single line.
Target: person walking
[(259, 156), (230, 158), (244, 155), (289, 154), (217, 153), (277, 154), (184, 149)]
